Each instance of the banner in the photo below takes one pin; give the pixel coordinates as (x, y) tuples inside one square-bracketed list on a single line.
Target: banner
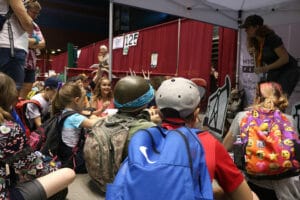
[(247, 78)]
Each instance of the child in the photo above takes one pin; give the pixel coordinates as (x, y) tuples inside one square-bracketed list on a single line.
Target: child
[(21, 170), (269, 97), (33, 112), (70, 97), (103, 97), (178, 101), (79, 80)]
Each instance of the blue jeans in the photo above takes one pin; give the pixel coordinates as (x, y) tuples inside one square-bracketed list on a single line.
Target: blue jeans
[(13, 66)]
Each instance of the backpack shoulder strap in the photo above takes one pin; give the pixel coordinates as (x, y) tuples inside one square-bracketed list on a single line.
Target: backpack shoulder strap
[(63, 116), (9, 13), (187, 146), (35, 102)]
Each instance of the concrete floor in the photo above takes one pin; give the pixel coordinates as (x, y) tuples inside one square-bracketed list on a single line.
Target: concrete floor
[(84, 189)]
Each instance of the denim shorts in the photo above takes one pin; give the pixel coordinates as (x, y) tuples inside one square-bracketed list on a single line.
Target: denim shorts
[(29, 76), (13, 66)]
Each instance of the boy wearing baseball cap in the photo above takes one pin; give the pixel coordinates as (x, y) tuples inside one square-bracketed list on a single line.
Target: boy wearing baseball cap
[(37, 115), (178, 100)]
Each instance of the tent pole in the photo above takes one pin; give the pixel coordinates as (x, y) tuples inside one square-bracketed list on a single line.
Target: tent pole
[(238, 49), (238, 60), (110, 39), (178, 46)]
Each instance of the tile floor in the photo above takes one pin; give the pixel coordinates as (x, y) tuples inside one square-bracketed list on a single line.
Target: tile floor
[(84, 189)]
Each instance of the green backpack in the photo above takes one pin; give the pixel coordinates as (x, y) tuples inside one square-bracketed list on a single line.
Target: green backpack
[(106, 146)]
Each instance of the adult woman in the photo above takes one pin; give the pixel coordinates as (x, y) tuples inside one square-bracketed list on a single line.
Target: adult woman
[(103, 58), (13, 51), (24, 175), (36, 42), (271, 57), (269, 97), (102, 98)]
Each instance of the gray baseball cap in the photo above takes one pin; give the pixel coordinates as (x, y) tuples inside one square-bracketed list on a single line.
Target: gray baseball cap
[(179, 94)]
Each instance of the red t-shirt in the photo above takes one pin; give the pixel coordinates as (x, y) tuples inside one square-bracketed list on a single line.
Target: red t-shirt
[(219, 163)]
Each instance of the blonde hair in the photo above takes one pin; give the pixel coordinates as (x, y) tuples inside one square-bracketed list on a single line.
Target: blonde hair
[(270, 95), (34, 5), (103, 47)]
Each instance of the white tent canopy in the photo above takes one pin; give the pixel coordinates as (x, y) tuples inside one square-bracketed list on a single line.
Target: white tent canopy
[(224, 12)]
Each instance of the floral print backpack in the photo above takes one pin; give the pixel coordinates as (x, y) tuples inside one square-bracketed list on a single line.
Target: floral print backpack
[(18, 163)]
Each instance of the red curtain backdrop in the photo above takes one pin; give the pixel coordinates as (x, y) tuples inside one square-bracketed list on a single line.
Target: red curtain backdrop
[(195, 49), (227, 54), (160, 39), (59, 62), (89, 54)]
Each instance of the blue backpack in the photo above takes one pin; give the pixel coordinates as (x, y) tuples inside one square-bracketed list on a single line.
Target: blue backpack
[(163, 164)]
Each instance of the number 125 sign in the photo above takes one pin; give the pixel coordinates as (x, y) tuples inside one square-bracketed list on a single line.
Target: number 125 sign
[(131, 39)]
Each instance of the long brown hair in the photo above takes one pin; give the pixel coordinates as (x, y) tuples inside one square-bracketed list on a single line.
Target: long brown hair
[(9, 96), (261, 31), (65, 95), (97, 91)]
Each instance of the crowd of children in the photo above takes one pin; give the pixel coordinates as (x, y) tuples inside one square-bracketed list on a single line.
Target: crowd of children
[(139, 105)]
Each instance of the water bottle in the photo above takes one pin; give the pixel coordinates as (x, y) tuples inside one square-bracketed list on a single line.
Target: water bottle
[(239, 153)]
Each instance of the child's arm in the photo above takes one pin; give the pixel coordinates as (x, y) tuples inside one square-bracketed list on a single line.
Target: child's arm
[(89, 122)]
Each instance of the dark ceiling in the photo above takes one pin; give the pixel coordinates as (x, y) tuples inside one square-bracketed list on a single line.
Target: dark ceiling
[(83, 22)]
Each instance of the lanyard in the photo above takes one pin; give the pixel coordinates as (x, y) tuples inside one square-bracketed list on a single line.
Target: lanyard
[(259, 56)]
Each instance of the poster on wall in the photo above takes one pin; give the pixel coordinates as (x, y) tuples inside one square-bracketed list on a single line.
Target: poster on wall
[(118, 42), (247, 78)]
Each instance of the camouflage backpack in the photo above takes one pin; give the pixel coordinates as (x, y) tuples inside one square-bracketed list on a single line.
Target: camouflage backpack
[(268, 145), (106, 147)]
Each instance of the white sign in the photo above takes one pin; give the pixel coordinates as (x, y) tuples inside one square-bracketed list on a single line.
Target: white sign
[(131, 39), (154, 57), (247, 78), (118, 42)]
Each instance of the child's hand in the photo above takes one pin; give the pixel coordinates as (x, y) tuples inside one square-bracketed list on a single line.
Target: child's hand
[(154, 115), (146, 76)]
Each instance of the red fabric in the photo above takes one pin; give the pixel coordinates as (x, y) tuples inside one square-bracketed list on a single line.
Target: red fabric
[(59, 62), (227, 54), (193, 60), (200, 82), (224, 170), (195, 49), (220, 165), (158, 39)]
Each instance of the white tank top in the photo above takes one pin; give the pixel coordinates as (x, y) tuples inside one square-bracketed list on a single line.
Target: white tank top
[(19, 35)]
